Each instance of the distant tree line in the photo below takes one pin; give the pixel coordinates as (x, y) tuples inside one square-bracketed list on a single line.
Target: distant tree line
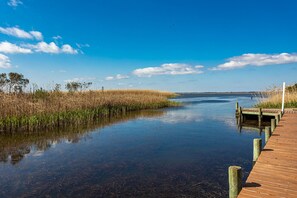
[(16, 83), (13, 82)]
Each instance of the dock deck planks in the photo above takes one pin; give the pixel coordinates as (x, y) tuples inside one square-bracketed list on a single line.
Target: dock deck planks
[(275, 172)]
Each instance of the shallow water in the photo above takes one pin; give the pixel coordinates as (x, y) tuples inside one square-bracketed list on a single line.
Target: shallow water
[(176, 152)]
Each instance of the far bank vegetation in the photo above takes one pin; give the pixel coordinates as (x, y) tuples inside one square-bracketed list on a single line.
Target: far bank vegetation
[(42, 109)]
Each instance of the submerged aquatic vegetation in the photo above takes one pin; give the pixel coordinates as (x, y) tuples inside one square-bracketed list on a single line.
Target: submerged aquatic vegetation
[(32, 111)]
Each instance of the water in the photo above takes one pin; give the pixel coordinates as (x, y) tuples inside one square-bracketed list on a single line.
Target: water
[(176, 152)]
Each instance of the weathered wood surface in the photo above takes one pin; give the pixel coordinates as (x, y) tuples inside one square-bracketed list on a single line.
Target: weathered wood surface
[(254, 111), (275, 172)]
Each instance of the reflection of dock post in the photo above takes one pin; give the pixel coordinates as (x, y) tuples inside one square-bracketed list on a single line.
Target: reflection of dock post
[(273, 124), (260, 117), (267, 134), (257, 149), (235, 181)]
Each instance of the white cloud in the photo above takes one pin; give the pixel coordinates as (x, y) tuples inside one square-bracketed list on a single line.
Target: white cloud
[(168, 69), (109, 78), (57, 37), (51, 48), (82, 45), (44, 47), (37, 35), (19, 33), (81, 79), (68, 49), (257, 60), (14, 3), (10, 48), (117, 77), (4, 62)]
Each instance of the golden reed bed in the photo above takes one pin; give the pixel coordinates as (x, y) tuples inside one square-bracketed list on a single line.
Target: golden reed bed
[(273, 98), (50, 109)]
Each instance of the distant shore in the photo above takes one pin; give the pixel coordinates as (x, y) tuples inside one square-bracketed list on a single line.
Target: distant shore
[(210, 94)]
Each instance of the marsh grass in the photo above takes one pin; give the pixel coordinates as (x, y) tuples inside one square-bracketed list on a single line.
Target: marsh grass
[(45, 110), (273, 98)]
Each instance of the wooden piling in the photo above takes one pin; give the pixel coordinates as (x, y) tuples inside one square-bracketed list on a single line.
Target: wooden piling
[(240, 113), (276, 120), (260, 117), (267, 134), (236, 106), (235, 181), (273, 124), (257, 149)]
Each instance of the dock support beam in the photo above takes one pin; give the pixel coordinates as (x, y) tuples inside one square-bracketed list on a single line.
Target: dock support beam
[(273, 125), (235, 181), (257, 149), (267, 134), (236, 106)]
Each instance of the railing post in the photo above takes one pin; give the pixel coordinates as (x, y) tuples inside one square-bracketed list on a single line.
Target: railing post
[(235, 181), (257, 149), (283, 97)]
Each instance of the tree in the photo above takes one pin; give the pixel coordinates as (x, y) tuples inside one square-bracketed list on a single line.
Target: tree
[(57, 87), (73, 86), (292, 88), (85, 85), (3, 81), (17, 82)]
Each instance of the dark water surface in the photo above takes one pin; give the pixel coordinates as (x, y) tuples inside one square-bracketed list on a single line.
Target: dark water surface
[(177, 152)]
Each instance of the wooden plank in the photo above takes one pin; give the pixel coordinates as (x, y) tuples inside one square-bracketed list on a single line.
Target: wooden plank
[(275, 172)]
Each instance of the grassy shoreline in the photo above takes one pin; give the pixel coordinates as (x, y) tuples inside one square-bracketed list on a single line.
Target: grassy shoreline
[(47, 110), (272, 99)]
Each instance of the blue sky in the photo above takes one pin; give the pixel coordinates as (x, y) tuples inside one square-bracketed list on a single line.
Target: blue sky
[(185, 45)]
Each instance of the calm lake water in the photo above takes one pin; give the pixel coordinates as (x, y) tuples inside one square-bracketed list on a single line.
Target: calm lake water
[(176, 152)]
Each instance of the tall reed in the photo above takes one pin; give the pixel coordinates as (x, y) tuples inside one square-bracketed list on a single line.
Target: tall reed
[(273, 98), (41, 110)]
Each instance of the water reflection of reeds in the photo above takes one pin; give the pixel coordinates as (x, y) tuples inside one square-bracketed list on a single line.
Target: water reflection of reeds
[(14, 147)]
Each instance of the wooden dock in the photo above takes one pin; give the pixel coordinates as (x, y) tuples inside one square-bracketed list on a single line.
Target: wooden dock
[(275, 171)]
